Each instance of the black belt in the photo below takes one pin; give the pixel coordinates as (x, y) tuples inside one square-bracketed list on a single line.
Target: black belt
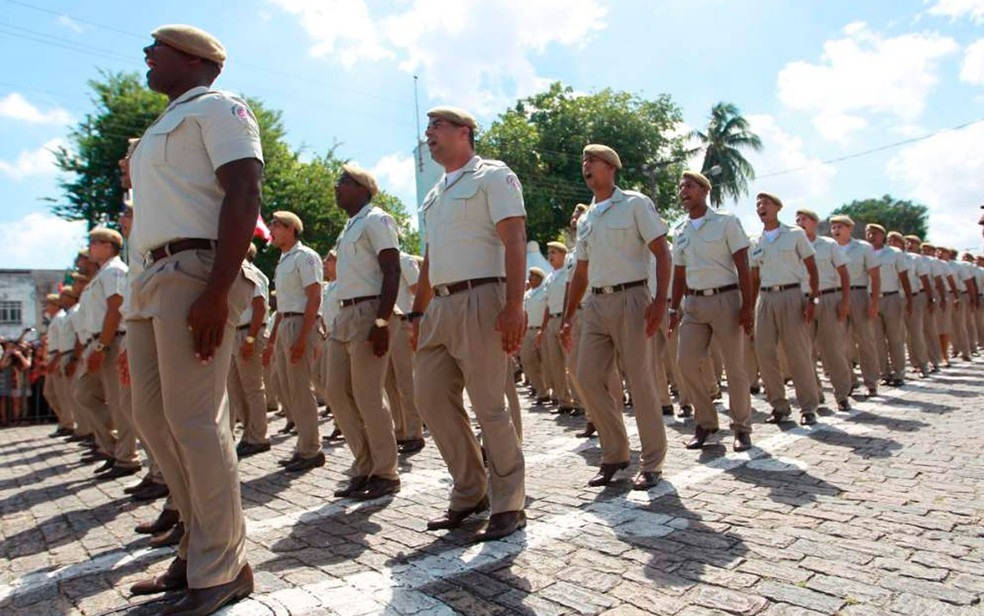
[(402, 317), (859, 286), (889, 293), (248, 325), (554, 315), (173, 248), (915, 293), (615, 288), (345, 303), (444, 290), (828, 291), (96, 337), (715, 291), (780, 287), (287, 315)]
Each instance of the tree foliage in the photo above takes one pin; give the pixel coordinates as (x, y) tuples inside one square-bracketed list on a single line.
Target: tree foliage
[(541, 139), (906, 217), (726, 135), (124, 108)]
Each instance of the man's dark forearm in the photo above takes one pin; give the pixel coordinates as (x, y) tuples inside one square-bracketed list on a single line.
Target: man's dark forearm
[(391, 285)]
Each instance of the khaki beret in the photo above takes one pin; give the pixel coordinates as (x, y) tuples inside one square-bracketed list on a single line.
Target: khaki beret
[(581, 208), (454, 115), (913, 238), (558, 245), (84, 253), (536, 271), (895, 235), (842, 219), (193, 41), (875, 226), (771, 197), (80, 276), (52, 298), (69, 291), (362, 177), (808, 213), (698, 177), (289, 219), (105, 234), (603, 152), (251, 251), (927, 245)]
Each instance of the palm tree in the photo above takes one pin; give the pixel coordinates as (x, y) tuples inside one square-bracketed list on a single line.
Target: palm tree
[(726, 136)]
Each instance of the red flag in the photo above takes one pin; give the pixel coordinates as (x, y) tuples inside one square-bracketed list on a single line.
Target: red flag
[(261, 230)]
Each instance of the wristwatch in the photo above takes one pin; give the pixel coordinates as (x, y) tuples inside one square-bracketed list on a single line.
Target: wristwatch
[(100, 347), (250, 339), (815, 300), (381, 322), (673, 310), (413, 316)]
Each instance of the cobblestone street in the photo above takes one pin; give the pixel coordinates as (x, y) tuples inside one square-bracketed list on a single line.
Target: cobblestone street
[(877, 511)]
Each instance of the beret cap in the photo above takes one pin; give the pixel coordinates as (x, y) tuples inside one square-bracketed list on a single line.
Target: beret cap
[(843, 219), (538, 272), (105, 234), (455, 115), (896, 235), (808, 214), (362, 177), (698, 177), (605, 153), (875, 226), (561, 246), (771, 197), (191, 40), (289, 219), (913, 238), (51, 298)]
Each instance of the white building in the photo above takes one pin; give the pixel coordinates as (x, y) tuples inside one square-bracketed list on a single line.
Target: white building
[(22, 294)]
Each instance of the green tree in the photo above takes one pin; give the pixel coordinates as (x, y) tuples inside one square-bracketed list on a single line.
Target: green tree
[(726, 135), (542, 137), (906, 217)]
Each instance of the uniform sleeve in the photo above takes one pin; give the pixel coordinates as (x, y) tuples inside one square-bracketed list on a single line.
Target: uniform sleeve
[(736, 237), (837, 257), (409, 269), (505, 195), (381, 231), (230, 132), (648, 221), (901, 263), (755, 253), (309, 269), (870, 258), (677, 252), (803, 247), (115, 282), (581, 246)]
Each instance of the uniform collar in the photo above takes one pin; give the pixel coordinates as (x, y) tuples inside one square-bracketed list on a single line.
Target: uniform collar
[(469, 167), (360, 214), (190, 94), (292, 250), (107, 264)]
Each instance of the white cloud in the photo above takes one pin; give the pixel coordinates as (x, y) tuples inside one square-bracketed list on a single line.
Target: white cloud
[(865, 73), (972, 69), (940, 173), (40, 241), (15, 107), (956, 9), (39, 162), (475, 54), (73, 25)]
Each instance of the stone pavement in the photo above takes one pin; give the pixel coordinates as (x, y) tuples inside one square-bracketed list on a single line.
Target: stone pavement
[(873, 512)]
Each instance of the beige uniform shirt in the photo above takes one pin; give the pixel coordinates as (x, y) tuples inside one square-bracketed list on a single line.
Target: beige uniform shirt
[(961, 273), (111, 280), (860, 257), (828, 259), (329, 303), (175, 191), (364, 236), (535, 300), (409, 274), (918, 267), (460, 219), (892, 262), (707, 252), (780, 260), (614, 238), (940, 270), (70, 332), (979, 275), (556, 288), (261, 288), (55, 328), (299, 268)]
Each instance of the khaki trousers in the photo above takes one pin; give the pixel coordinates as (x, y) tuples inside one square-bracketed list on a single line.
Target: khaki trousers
[(971, 324), (459, 349), (83, 426), (512, 402), (614, 378), (399, 384), (979, 321), (829, 335), (271, 384), (94, 400), (247, 396), (355, 392), (555, 363), (613, 327), (931, 333), (182, 409), (891, 330), (126, 432), (297, 391), (706, 318), (779, 322), (53, 392), (532, 359), (863, 334), (944, 317), (958, 327), (915, 334)]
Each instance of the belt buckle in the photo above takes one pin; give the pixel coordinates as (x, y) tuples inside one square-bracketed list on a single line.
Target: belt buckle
[(707, 292), (607, 290), (442, 290), (776, 289)]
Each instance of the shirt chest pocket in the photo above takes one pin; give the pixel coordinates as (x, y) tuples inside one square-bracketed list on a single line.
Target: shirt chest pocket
[(460, 199), (348, 244), (784, 249), (621, 226), (159, 145)]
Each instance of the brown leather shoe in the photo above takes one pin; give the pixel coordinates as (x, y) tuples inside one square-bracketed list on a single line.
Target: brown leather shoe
[(304, 464), (502, 525), (377, 487), (700, 437), (646, 479), (105, 466), (204, 601), (164, 522), (152, 492), (453, 518), (355, 484), (589, 431), (138, 486), (412, 445), (743, 441), (175, 578), (605, 473), (118, 471), (171, 537), (288, 461)]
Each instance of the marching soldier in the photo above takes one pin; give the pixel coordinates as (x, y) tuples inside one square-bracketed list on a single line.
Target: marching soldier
[(531, 355), (554, 355), (199, 163), (777, 258), (471, 285), (368, 282), (710, 257), (399, 373), (957, 281), (829, 327), (893, 308), (864, 270), (247, 396), (614, 240), (916, 323), (939, 273), (970, 281), (54, 390), (294, 341)]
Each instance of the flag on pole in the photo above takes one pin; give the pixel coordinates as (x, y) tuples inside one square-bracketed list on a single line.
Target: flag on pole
[(261, 231)]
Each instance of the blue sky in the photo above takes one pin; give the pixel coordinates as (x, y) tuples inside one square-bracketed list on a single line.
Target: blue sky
[(820, 79)]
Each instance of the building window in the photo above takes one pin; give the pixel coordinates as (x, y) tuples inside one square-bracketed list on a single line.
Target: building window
[(10, 313)]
